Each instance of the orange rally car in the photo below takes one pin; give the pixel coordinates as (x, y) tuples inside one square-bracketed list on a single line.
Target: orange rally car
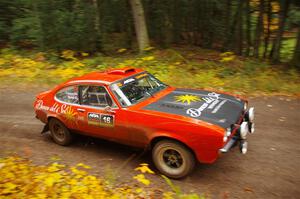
[(132, 107)]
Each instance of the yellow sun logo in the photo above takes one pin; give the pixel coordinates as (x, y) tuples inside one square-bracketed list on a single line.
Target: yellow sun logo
[(187, 98), (70, 114)]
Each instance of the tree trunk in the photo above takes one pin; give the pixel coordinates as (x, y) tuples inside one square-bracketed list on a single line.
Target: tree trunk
[(239, 33), (268, 33), (140, 24), (227, 35), (275, 55), (296, 57), (248, 28), (259, 29), (96, 4), (231, 41)]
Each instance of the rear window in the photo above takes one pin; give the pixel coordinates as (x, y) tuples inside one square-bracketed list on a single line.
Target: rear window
[(68, 95)]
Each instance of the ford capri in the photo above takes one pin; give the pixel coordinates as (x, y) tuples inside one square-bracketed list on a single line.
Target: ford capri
[(130, 106)]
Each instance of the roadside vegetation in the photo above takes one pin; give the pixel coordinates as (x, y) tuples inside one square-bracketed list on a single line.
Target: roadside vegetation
[(181, 67), (20, 178)]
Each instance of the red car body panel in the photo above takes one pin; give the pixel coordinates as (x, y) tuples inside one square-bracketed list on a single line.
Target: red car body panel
[(133, 125)]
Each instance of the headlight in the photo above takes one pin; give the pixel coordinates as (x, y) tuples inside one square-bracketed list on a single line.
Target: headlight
[(245, 106), (251, 127), (244, 129), (228, 132), (251, 114)]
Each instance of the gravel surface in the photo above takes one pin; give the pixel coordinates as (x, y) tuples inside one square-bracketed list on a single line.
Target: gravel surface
[(270, 169)]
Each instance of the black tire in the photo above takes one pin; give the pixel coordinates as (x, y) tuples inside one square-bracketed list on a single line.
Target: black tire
[(59, 132), (173, 159)]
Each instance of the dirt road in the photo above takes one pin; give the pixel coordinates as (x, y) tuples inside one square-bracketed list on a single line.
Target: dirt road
[(270, 169)]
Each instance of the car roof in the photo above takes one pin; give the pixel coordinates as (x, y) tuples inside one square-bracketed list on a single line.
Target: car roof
[(106, 77)]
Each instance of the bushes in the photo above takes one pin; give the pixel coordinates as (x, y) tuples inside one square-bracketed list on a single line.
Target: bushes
[(178, 68)]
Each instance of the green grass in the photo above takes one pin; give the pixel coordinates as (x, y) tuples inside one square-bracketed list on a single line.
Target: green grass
[(186, 67)]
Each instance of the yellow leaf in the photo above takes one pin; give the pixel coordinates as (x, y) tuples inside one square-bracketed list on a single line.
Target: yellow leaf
[(68, 54), (227, 59), (149, 58), (84, 54), (83, 166), (225, 54), (9, 188), (139, 190), (149, 48), (121, 50), (144, 168), (55, 158), (141, 178)]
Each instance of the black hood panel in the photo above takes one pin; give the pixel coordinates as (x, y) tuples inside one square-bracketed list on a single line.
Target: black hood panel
[(219, 109)]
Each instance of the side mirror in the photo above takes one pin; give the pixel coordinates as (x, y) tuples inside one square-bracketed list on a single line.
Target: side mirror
[(109, 109)]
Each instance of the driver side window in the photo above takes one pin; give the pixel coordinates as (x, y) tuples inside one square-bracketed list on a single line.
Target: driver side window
[(95, 96)]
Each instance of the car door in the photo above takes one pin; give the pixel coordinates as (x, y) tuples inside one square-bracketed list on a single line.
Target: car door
[(98, 113)]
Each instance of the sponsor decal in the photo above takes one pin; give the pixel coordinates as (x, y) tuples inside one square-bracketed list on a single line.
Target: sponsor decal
[(72, 96), (129, 80), (64, 109), (171, 106), (81, 118), (141, 75), (211, 102), (69, 114), (187, 99), (219, 106), (97, 119), (193, 112), (94, 118)]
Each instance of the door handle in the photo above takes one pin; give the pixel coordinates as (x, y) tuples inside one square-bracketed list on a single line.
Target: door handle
[(81, 110)]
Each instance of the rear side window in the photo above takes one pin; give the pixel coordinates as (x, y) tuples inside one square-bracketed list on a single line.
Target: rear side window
[(68, 95), (95, 96)]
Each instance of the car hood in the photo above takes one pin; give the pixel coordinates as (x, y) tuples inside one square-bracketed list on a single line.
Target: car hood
[(219, 109)]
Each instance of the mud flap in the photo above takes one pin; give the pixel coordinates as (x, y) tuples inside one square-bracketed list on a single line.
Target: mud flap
[(45, 129)]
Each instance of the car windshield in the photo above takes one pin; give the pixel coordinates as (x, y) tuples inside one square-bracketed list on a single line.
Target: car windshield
[(137, 88)]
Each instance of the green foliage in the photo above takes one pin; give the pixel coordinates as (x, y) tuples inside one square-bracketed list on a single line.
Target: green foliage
[(106, 26), (175, 67)]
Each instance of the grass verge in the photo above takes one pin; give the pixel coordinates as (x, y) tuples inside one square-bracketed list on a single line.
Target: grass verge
[(194, 68)]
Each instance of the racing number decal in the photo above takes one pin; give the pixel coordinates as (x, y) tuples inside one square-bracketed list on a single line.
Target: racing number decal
[(107, 120), (100, 119)]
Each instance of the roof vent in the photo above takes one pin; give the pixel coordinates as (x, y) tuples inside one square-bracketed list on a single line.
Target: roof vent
[(121, 71)]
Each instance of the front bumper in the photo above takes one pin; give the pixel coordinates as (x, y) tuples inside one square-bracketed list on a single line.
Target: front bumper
[(240, 132)]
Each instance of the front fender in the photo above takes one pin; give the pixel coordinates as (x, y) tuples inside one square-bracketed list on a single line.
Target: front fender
[(204, 141)]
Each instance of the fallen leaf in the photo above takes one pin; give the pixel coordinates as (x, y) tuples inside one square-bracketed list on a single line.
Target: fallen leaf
[(2, 165), (282, 119), (248, 189)]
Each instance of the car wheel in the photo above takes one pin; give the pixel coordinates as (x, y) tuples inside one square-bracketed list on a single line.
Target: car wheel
[(173, 159), (59, 132)]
